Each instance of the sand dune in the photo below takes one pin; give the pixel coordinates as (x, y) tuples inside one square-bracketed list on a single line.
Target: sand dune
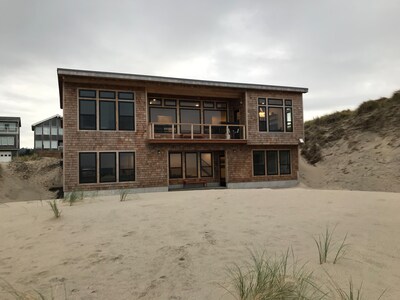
[(177, 245)]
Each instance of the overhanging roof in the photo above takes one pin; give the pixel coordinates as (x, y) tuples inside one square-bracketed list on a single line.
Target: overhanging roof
[(158, 79)]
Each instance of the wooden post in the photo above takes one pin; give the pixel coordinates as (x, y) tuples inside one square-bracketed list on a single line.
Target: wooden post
[(209, 131), (191, 131), (173, 131)]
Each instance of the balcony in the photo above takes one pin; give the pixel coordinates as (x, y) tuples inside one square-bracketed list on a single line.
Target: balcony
[(196, 133)]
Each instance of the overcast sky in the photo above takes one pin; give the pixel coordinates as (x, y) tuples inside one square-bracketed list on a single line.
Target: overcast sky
[(344, 51)]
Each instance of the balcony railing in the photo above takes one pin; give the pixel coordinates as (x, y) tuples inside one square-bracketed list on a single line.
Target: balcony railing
[(203, 132), (8, 130)]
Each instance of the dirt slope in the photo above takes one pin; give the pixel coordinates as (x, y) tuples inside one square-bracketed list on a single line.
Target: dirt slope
[(25, 179), (356, 150)]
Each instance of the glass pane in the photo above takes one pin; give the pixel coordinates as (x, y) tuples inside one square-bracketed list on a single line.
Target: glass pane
[(284, 161), (107, 115), (275, 115), (107, 167), (262, 101), (191, 164), (60, 131), (10, 141), (54, 130), (46, 144), (185, 103), (38, 130), (126, 116), (155, 101), (206, 165), (262, 118), (275, 102), (163, 115), (288, 102), (87, 114), (208, 104), (107, 95), (190, 116), (169, 102), (258, 163), (272, 162), (87, 93), (214, 116), (222, 105), (54, 144), (38, 144), (125, 96), (289, 120), (175, 165), (46, 130), (87, 168), (126, 166)]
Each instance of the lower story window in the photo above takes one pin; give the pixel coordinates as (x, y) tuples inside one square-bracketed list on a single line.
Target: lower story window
[(87, 168), (126, 166), (107, 167), (275, 162), (175, 165), (190, 164)]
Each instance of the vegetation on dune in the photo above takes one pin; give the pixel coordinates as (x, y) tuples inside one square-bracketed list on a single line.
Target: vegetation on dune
[(379, 116), (54, 207), (326, 245)]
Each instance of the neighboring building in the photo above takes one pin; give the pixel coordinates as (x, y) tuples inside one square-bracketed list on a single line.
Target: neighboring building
[(48, 133), (9, 137), (125, 131)]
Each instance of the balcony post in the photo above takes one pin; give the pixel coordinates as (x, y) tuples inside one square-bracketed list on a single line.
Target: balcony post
[(209, 131), (173, 131), (152, 131), (191, 131)]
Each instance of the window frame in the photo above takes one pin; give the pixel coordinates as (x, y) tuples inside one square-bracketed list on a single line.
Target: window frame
[(119, 166), (197, 165), (97, 99), (100, 168), (264, 158), (277, 163), (211, 165), (95, 168), (100, 118), (169, 165), (264, 102)]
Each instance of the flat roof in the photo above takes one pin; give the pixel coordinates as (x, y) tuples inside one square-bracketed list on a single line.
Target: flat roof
[(11, 119), (158, 79)]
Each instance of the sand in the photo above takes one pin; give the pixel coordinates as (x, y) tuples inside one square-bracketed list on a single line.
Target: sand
[(177, 245), (366, 162)]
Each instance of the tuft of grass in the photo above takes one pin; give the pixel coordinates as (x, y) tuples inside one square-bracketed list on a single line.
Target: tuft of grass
[(324, 246), (122, 195), (351, 292), (54, 206), (270, 278), (74, 196), (12, 291)]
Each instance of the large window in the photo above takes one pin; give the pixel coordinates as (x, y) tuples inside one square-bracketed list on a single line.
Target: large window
[(87, 168), (107, 167), (126, 166), (206, 169), (175, 165), (259, 163), (87, 115), (275, 115), (191, 164), (107, 115), (274, 162), (190, 116), (196, 164), (111, 105), (7, 141)]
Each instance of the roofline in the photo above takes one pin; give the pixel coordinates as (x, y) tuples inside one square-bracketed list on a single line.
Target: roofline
[(110, 75), (12, 119), (37, 123)]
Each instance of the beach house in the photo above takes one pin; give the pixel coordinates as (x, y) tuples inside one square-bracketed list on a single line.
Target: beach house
[(9, 137), (150, 133)]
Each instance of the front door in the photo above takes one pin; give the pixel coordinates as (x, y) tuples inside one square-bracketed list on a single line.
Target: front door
[(222, 179)]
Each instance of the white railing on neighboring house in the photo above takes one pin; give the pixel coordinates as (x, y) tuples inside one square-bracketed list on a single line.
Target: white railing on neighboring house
[(194, 131)]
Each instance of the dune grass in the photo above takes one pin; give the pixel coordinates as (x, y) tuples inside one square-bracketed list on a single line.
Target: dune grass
[(73, 197), (273, 277), (122, 195), (54, 206), (7, 288), (325, 246)]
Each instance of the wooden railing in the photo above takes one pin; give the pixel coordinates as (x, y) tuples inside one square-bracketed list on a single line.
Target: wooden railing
[(192, 131)]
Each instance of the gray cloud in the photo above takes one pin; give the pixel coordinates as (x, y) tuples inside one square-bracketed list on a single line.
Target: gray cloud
[(345, 52)]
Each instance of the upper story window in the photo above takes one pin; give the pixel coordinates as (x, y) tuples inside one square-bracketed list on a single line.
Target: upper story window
[(8, 127), (275, 115), (106, 110)]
